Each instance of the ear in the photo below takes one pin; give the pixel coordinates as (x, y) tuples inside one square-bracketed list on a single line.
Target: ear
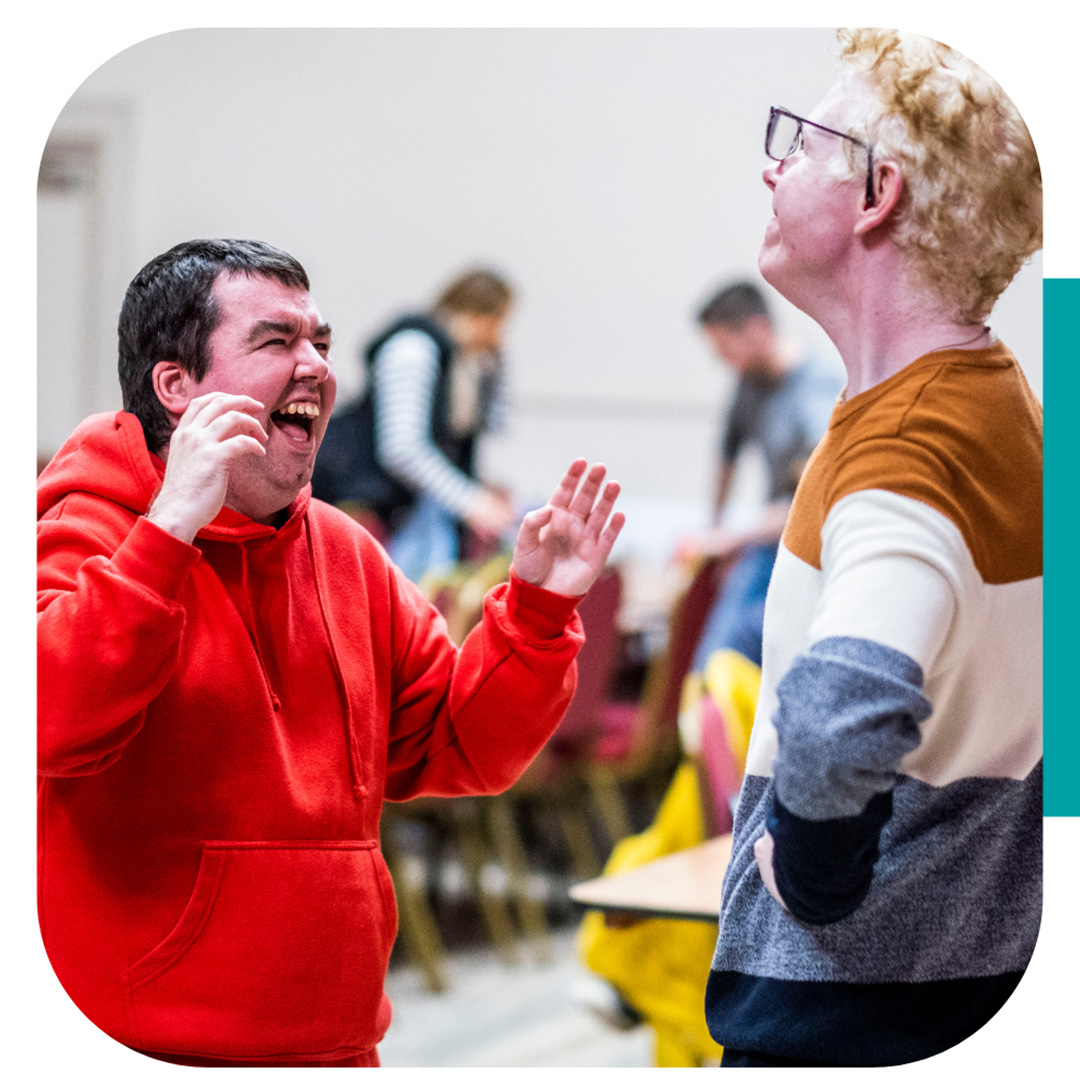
[(888, 183), (174, 387)]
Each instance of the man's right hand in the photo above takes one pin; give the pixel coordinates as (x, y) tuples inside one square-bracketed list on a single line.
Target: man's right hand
[(490, 514), (215, 429), (718, 541)]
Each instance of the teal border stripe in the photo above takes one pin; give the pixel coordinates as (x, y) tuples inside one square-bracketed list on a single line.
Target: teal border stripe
[(1061, 492)]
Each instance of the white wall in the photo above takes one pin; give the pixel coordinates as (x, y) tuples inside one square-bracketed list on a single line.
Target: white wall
[(614, 175)]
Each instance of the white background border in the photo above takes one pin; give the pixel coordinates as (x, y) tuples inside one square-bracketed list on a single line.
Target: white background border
[(1029, 49)]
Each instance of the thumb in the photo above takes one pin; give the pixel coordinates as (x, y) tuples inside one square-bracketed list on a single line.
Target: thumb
[(531, 524)]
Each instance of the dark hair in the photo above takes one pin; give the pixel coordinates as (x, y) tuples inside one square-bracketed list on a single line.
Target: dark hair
[(733, 305), (478, 292), (169, 313)]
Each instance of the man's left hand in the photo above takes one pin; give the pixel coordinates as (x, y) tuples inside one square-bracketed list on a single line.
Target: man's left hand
[(763, 853), (563, 546)]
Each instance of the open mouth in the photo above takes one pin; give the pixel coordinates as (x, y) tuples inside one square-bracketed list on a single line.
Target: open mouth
[(296, 420)]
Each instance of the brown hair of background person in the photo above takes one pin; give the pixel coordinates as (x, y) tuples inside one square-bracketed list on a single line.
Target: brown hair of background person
[(733, 306), (476, 292)]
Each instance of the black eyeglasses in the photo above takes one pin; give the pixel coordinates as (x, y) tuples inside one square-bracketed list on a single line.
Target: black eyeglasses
[(784, 135)]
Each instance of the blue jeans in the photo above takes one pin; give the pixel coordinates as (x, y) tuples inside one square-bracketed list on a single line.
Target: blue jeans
[(737, 614), (427, 540)]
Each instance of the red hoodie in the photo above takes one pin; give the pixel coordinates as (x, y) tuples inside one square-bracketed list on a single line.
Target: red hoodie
[(219, 724)]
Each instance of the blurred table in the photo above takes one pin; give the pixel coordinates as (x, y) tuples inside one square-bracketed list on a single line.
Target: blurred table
[(685, 885)]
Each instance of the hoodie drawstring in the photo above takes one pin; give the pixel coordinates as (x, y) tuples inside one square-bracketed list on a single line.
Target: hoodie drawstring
[(275, 701), (355, 758)]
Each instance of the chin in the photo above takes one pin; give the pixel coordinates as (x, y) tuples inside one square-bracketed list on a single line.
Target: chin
[(767, 265), (265, 506)]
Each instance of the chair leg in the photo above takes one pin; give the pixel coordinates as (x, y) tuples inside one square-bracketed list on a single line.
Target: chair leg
[(417, 926), (470, 836), (511, 852), (574, 823), (604, 788)]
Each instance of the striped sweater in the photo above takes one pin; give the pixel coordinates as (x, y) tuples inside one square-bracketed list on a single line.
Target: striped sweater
[(406, 370), (896, 756)]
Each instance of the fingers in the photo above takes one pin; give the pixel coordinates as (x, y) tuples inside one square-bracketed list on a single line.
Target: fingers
[(564, 493), (602, 510), (236, 445), (582, 503), (222, 418), (234, 426), (611, 534), (210, 406)]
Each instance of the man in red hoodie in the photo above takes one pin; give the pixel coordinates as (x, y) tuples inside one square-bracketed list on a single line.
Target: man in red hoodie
[(233, 677)]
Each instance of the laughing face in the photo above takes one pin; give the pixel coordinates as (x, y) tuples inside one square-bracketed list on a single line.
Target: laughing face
[(271, 343)]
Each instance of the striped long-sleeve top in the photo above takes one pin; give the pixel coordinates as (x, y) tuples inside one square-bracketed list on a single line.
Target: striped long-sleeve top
[(405, 372), (896, 755)]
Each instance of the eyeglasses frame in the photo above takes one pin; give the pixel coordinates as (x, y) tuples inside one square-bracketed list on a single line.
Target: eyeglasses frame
[(775, 111)]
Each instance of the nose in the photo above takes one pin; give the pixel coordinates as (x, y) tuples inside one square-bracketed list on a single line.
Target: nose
[(770, 173), (311, 364)]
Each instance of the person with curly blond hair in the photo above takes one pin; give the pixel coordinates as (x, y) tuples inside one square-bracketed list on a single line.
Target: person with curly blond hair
[(885, 886)]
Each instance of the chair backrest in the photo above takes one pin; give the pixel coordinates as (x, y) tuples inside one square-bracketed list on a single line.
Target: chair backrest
[(733, 682), (687, 622), (599, 610), (656, 725), (722, 774)]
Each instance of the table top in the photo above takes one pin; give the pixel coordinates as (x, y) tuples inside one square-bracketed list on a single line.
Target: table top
[(685, 885)]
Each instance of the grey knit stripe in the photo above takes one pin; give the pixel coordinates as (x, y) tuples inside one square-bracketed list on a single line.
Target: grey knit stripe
[(848, 711), (957, 891)]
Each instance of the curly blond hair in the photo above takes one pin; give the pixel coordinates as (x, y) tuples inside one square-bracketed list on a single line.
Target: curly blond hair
[(970, 209)]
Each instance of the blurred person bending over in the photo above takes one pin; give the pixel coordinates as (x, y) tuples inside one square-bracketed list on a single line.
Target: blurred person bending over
[(884, 891), (406, 450), (233, 677), (781, 405)]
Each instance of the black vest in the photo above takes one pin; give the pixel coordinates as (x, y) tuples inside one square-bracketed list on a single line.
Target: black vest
[(347, 469)]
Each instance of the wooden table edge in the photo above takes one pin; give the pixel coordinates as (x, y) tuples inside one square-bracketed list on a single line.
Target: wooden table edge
[(647, 873)]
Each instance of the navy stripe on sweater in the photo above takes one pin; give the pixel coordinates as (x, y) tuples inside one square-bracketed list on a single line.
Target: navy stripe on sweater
[(850, 1023), (824, 868)]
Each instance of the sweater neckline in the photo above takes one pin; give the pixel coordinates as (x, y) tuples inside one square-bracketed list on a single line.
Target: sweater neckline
[(995, 355)]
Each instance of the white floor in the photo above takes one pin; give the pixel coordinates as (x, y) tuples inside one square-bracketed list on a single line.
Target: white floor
[(498, 1014)]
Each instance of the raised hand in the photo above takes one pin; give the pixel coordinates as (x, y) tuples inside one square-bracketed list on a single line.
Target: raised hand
[(214, 430), (563, 546)]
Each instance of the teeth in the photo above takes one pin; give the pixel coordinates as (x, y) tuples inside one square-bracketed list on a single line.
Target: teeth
[(305, 408)]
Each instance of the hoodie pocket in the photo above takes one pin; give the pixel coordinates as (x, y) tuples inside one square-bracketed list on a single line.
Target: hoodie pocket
[(281, 950)]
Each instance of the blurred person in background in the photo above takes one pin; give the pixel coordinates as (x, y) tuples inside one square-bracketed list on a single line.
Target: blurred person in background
[(781, 405), (885, 886), (405, 452), (233, 677)]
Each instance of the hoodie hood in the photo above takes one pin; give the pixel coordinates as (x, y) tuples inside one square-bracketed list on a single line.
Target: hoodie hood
[(107, 456)]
